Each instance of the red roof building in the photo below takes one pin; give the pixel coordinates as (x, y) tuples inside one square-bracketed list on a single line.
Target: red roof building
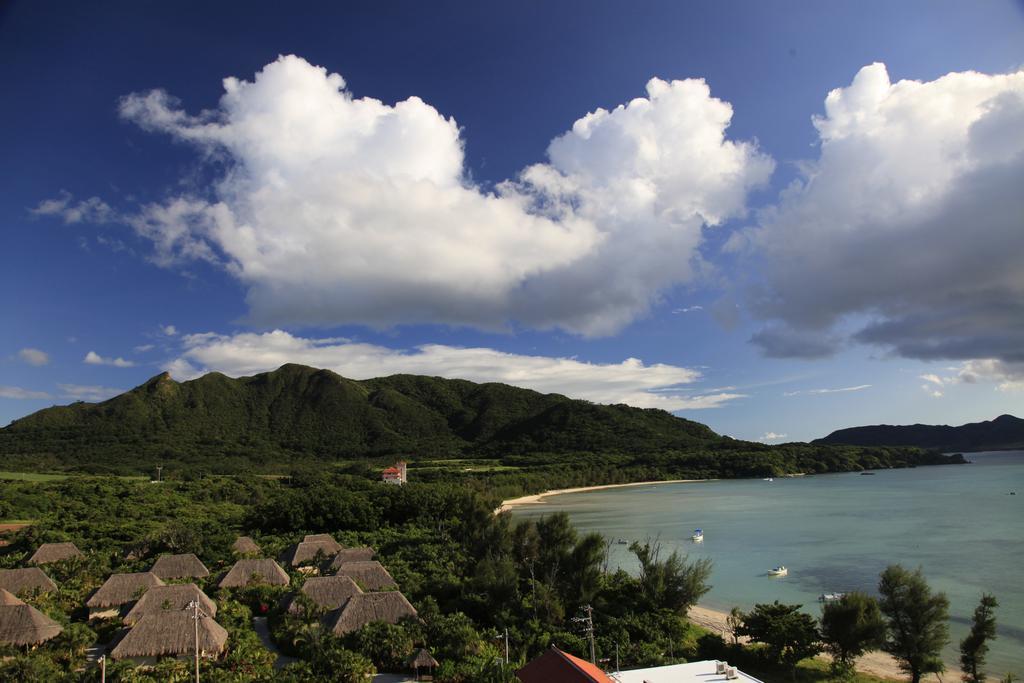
[(555, 666)]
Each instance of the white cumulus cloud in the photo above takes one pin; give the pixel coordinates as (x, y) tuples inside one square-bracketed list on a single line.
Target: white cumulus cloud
[(631, 381), (336, 209), (93, 358), (34, 356), (910, 218), (771, 436)]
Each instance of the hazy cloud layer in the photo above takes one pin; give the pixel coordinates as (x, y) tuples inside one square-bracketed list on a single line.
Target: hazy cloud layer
[(34, 356), (912, 217), (816, 392), (19, 393), (631, 381), (336, 209), (87, 392)]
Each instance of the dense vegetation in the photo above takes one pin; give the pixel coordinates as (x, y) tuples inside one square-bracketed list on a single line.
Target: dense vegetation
[(1006, 432), (300, 417), (470, 573)]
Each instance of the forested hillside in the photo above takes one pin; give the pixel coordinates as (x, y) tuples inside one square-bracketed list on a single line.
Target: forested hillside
[(1003, 433), (300, 417)]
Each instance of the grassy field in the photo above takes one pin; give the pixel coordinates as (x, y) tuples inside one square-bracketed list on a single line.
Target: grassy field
[(31, 476)]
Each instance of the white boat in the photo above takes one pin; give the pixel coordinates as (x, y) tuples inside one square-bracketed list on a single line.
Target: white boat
[(830, 597), (778, 571), (768, 479), (698, 536)]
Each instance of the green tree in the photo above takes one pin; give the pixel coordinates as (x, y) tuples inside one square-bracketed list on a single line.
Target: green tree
[(789, 634), (386, 645), (850, 627), (674, 583), (917, 621), (974, 647)]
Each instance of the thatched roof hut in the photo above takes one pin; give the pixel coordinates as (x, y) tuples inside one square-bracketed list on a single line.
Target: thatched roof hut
[(309, 551), (27, 580), (420, 659), (185, 566), (261, 570), (346, 555), (364, 608), (244, 545), (326, 592), (171, 633), (54, 552), (120, 589), (325, 539), (370, 575), (23, 625), (159, 599)]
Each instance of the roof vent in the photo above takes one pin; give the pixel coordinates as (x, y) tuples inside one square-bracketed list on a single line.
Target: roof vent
[(720, 667), (731, 674)]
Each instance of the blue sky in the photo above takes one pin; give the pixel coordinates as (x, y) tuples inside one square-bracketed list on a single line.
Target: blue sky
[(425, 188)]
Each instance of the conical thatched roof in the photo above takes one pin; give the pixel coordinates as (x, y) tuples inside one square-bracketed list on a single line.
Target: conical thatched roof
[(22, 624), (159, 599), (171, 633), (364, 608), (244, 545), (27, 580), (420, 658), (326, 539), (306, 552), (54, 552), (370, 575), (346, 555), (326, 592), (123, 588), (185, 566), (261, 570)]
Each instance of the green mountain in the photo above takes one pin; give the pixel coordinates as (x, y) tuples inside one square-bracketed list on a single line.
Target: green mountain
[(1003, 433), (300, 411)]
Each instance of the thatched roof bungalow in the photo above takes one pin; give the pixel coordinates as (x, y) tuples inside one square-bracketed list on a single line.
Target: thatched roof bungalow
[(262, 570), (119, 590), (244, 545), (326, 592), (187, 566), (27, 580), (159, 599), (346, 555), (370, 575), (23, 625), (365, 608), (310, 550), (420, 659), (54, 552), (171, 634)]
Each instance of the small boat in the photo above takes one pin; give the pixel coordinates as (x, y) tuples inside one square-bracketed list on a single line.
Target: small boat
[(768, 479), (698, 536), (778, 571), (830, 597), (622, 541), (866, 474)]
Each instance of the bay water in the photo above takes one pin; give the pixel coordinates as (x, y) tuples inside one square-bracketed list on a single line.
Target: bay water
[(836, 532)]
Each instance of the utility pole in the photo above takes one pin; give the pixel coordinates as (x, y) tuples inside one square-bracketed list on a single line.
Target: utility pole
[(103, 669), (588, 628), (616, 656), (159, 469), (196, 613), (506, 645)]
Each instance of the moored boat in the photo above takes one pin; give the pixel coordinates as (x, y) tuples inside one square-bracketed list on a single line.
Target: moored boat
[(781, 570), (698, 535)]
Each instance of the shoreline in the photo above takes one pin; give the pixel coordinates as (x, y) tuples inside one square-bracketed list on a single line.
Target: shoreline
[(875, 663), (511, 503)]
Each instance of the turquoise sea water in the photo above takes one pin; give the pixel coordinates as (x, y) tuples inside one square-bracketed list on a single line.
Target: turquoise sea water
[(836, 532)]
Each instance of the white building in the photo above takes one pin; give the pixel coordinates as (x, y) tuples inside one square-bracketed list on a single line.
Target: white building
[(709, 671)]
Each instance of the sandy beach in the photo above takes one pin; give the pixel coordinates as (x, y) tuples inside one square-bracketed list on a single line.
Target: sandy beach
[(507, 505)]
